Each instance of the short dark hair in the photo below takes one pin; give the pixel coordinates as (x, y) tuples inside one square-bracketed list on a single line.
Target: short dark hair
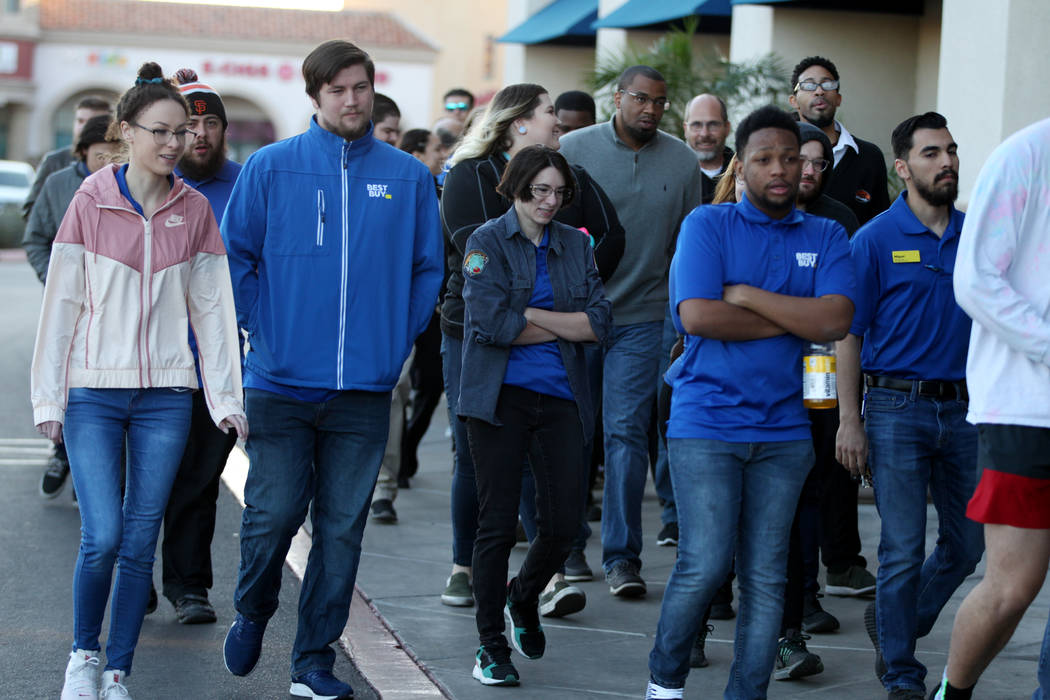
[(459, 91), (645, 71), (150, 86), (810, 61), (903, 137), (768, 117), (324, 63), (94, 103), (526, 165), (383, 107), (575, 101), (94, 131), (414, 140)]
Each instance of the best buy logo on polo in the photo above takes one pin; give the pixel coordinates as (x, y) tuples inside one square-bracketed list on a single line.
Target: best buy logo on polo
[(378, 191)]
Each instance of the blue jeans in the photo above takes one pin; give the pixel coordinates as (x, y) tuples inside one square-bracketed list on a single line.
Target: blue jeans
[(632, 364), (915, 443), (115, 527), (299, 451), (661, 473), (741, 494)]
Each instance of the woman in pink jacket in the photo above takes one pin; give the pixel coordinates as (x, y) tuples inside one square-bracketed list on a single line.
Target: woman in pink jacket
[(137, 257)]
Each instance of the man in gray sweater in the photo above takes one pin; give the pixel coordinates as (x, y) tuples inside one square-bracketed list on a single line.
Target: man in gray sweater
[(653, 180)]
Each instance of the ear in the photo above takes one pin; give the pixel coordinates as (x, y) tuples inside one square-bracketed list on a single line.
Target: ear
[(792, 101), (616, 99), (902, 169), (127, 132)]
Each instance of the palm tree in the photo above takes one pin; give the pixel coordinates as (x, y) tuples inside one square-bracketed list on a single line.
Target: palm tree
[(689, 72)]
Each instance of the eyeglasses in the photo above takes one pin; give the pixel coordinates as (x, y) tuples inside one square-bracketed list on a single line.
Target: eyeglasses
[(457, 106), (544, 191), (811, 85), (162, 137), (818, 164), (641, 99)]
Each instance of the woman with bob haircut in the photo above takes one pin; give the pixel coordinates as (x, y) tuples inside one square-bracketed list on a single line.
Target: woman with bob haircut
[(532, 298), (518, 116), (137, 257)]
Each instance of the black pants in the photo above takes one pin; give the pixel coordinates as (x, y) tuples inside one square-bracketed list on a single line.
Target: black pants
[(804, 531), (427, 384), (551, 428), (839, 537), (189, 521)]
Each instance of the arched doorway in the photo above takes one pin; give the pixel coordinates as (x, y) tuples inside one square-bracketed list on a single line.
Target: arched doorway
[(249, 128), (62, 119)]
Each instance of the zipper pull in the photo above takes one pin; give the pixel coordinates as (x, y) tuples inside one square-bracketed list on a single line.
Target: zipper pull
[(346, 153)]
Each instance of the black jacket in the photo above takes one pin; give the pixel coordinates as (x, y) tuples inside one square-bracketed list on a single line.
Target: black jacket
[(707, 184), (469, 199), (859, 181)]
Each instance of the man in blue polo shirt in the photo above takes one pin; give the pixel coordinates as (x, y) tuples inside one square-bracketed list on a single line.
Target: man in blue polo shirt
[(189, 520), (750, 283), (915, 435)]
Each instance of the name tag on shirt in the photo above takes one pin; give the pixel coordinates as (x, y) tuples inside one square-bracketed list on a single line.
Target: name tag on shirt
[(906, 256)]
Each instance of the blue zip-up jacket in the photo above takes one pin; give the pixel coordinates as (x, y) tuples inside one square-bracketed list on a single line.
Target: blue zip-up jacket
[(335, 254)]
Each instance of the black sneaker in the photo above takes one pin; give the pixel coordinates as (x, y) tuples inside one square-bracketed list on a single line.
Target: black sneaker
[(793, 659), (383, 511), (151, 604), (872, 629), (492, 666), (576, 568), (624, 581), (697, 655), (527, 637), (816, 619), (194, 609), (54, 477), (594, 513), (906, 694), (668, 536)]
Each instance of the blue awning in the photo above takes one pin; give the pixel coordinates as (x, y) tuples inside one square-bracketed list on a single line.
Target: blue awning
[(559, 20), (638, 13)]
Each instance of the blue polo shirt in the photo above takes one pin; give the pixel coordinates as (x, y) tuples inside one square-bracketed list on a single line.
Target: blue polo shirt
[(906, 310), (539, 367), (749, 391)]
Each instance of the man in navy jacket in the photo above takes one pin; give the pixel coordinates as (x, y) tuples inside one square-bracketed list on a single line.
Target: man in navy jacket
[(335, 252)]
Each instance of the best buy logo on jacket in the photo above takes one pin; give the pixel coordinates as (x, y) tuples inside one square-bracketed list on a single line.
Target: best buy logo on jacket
[(378, 191)]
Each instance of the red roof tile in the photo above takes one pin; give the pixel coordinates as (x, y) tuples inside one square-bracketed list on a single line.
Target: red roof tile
[(369, 29)]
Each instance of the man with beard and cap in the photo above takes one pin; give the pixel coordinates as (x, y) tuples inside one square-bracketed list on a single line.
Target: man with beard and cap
[(860, 170), (913, 436), (189, 520), (706, 129), (653, 180)]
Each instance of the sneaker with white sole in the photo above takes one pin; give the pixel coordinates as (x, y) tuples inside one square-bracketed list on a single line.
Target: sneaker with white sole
[(564, 599), (624, 581), (113, 686), (576, 568), (854, 581), (320, 685), (658, 692), (527, 635), (55, 476), (458, 591), (81, 676), (492, 666)]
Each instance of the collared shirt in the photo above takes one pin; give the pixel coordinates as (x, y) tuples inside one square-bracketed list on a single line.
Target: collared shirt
[(906, 309), (845, 141), (749, 391), (538, 366), (121, 174), (216, 188)]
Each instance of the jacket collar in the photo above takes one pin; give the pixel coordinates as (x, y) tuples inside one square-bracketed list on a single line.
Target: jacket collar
[(756, 216), (102, 186), (335, 141), (512, 226)]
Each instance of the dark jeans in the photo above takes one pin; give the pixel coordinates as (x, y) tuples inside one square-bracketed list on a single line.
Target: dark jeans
[(552, 425), (189, 520), (326, 452)]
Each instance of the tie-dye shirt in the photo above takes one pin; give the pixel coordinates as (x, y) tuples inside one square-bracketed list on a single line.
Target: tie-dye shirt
[(1002, 280)]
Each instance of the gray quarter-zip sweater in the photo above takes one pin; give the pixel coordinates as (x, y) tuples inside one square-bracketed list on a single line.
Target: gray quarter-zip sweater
[(653, 189)]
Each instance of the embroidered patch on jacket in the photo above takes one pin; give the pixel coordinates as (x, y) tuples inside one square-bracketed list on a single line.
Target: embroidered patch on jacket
[(862, 196), (474, 262), (806, 259), (174, 220)]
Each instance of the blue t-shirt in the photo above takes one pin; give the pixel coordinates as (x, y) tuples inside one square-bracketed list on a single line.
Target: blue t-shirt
[(749, 391), (906, 310), (539, 366)]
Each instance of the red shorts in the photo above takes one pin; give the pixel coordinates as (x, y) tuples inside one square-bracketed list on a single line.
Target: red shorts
[(1015, 481)]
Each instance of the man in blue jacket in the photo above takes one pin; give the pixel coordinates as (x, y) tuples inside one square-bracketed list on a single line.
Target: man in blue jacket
[(335, 252)]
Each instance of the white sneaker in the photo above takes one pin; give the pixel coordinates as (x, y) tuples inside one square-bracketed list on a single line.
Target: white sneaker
[(112, 687), (657, 692), (81, 676)]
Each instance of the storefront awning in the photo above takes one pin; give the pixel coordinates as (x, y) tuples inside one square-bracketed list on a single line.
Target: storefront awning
[(639, 13), (897, 7), (560, 20)]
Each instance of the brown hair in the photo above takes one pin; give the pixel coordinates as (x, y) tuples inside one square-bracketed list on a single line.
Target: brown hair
[(325, 62), (725, 190), (150, 86), (526, 165)]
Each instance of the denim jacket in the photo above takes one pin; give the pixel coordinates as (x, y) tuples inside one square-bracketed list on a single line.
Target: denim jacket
[(499, 272)]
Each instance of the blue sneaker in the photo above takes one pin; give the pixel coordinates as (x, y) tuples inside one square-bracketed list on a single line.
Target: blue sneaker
[(320, 685), (240, 651)]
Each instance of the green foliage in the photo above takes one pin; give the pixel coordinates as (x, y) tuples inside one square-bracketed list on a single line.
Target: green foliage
[(690, 72)]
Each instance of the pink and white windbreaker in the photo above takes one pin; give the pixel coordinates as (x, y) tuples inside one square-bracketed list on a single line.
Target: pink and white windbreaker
[(120, 292)]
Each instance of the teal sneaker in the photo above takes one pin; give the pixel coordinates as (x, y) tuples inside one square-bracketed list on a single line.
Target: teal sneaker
[(492, 666), (528, 637)]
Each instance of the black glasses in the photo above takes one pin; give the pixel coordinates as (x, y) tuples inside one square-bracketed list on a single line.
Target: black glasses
[(162, 137), (818, 164), (544, 191), (811, 85), (641, 99)]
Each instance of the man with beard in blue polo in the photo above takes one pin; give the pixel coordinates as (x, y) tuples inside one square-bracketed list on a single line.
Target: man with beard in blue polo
[(750, 284)]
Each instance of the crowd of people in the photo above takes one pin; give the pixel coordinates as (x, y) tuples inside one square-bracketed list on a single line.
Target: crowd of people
[(594, 300)]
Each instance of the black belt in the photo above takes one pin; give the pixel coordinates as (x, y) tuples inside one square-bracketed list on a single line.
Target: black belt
[(934, 389)]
